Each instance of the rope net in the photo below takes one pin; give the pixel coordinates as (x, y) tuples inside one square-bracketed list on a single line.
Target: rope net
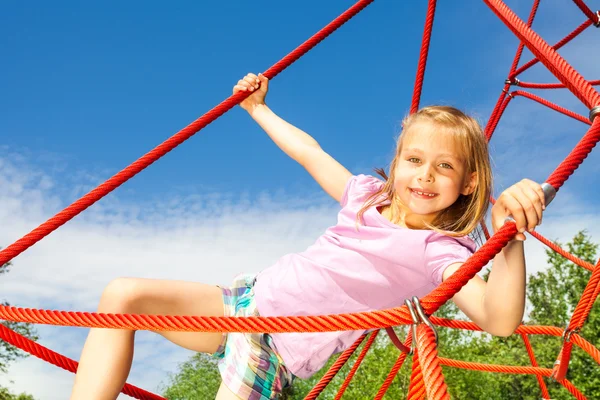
[(426, 378)]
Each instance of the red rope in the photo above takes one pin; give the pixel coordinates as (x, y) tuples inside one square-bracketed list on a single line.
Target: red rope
[(337, 365), (432, 371), (549, 85), (357, 363), (532, 13), (416, 389), (534, 363), (576, 157), (423, 56), (586, 10), (395, 368), (578, 318), (136, 167), (550, 58), (557, 46), (52, 357), (551, 105)]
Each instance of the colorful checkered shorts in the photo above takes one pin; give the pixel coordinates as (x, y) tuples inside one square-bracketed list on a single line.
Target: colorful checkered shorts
[(249, 365)]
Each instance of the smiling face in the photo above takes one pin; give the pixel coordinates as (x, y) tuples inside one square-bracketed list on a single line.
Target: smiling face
[(430, 173)]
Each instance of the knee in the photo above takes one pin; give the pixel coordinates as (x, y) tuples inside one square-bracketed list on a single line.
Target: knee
[(121, 295)]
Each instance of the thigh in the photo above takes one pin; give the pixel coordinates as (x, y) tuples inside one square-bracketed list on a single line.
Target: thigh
[(225, 394), (169, 297)]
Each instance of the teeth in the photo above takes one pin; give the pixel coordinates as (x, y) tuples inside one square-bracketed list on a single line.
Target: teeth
[(424, 194)]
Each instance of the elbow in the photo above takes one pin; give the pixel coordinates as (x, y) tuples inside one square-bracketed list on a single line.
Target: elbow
[(503, 330), (504, 333)]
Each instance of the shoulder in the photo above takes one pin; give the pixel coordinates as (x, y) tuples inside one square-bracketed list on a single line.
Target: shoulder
[(442, 251), (359, 187)]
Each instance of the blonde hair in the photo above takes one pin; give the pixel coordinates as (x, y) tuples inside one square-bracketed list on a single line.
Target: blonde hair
[(462, 217)]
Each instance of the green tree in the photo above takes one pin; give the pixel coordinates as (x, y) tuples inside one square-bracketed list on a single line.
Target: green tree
[(197, 378), (552, 294), (9, 353)]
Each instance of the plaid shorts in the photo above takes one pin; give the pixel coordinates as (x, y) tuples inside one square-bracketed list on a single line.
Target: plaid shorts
[(249, 365)]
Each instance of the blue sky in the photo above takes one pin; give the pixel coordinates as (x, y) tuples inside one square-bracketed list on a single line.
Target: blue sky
[(87, 88), (102, 84)]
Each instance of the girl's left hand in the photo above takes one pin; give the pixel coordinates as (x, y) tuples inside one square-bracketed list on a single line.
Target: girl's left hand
[(525, 202)]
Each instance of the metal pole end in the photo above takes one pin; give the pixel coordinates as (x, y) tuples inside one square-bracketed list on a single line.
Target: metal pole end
[(549, 192), (594, 112)]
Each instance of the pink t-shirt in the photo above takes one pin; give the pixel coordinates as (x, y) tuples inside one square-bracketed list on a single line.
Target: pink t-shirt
[(373, 266)]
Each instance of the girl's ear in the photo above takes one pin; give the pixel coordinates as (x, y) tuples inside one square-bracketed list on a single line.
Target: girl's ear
[(470, 184)]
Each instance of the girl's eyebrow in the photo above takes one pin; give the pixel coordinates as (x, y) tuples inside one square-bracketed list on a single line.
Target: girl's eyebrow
[(419, 151)]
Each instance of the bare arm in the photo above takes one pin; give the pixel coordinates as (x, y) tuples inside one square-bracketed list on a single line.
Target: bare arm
[(300, 146), (498, 305)]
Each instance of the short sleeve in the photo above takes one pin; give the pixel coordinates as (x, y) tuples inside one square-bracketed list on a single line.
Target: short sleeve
[(442, 251), (359, 187)]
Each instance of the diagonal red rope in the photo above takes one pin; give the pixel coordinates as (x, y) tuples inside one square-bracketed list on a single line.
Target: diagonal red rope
[(143, 162), (534, 363), (337, 365), (63, 362), (557, 46), (357, 363)]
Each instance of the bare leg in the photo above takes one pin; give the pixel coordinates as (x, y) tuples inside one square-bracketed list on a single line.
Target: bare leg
[(225, 394), (106, 357)]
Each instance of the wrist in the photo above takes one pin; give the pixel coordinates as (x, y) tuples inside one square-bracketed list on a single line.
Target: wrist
[(256, 108)]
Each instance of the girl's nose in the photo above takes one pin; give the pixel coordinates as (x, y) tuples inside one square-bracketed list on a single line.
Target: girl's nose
[(426, 175)]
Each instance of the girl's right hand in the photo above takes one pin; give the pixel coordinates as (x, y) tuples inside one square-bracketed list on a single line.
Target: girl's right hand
[(257, 84)]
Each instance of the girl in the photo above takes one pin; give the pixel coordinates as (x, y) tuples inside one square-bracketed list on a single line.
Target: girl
[(395, 238)]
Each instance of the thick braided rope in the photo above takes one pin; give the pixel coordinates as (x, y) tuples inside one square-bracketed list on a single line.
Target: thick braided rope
[(550, 58), (423, 56), (136, 167), (357, 363), (337, 365), (557, 46), (432, 371), (52, 357), (416, 389), (534, 363), (576, 157)]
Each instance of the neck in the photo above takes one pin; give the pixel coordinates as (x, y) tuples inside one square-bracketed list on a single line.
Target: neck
[(399, 215)]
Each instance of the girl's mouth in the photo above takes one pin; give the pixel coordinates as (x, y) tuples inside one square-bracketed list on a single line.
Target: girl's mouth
[(422, 194)]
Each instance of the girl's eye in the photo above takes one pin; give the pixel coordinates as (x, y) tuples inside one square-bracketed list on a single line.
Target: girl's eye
[(446, 165), (413, 160)]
